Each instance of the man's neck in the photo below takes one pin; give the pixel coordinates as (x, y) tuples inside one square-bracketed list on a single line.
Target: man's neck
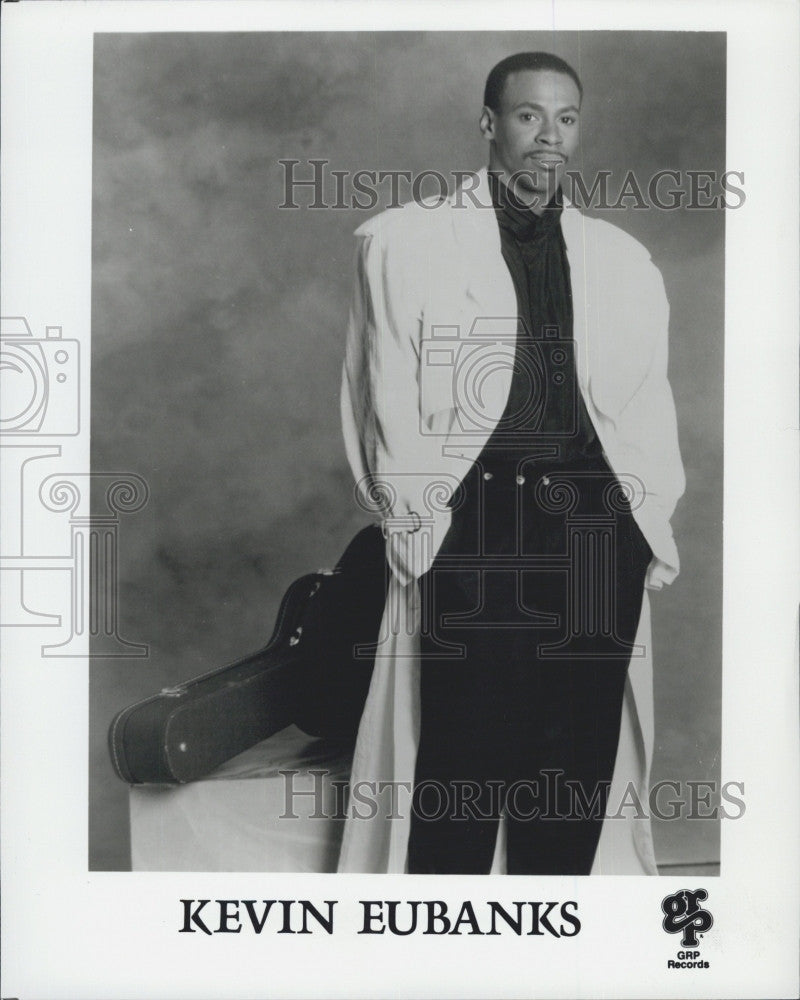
[(534, 199)]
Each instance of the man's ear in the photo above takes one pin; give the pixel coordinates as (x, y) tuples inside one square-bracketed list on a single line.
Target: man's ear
[(487, 123)]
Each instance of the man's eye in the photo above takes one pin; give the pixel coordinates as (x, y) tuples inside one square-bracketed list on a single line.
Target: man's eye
[(568, 120), (528, 116)]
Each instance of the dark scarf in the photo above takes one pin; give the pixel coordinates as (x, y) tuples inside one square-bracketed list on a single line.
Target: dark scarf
[(534, 250), (518, 218)]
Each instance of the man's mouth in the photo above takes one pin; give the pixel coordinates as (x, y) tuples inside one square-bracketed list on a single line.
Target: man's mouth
[(548, 159)]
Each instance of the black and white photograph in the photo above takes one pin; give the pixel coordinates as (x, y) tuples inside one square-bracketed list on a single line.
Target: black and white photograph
[(402, 489), (527, 489)]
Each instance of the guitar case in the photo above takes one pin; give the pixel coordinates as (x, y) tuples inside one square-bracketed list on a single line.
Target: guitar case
[(311, 673)]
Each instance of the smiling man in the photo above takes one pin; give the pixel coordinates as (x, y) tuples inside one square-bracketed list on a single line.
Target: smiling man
[(505, 402)]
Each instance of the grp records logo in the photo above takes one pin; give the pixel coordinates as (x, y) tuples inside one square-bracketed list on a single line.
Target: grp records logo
[(39, 377), (684, 915)]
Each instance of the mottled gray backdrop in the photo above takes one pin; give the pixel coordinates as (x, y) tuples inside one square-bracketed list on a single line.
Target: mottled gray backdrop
[(218, 330)]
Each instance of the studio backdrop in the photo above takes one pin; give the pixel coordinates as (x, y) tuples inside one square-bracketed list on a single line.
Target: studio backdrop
[(219, 315)]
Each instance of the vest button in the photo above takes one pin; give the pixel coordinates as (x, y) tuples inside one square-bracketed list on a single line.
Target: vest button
[(520, 480), (545, 480), (487, 476)]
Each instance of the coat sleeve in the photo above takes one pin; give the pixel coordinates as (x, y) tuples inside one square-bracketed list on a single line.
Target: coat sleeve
[(649, 419), (398, 466)]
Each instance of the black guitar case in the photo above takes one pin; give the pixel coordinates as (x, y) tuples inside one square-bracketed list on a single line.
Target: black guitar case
[(311, 673)]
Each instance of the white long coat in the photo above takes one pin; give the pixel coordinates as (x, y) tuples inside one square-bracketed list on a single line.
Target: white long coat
[(426, 378)]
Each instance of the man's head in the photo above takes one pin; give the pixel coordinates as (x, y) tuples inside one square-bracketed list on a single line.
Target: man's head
[(530, 117)]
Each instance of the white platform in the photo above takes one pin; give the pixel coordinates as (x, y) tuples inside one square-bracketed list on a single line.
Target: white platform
[(238, 818)]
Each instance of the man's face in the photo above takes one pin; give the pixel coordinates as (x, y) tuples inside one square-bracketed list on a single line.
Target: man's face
[(534, 133)]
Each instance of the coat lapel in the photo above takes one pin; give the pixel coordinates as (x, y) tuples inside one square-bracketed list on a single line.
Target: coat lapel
[(484, 307), (574, 230), (616, 309), (487, 279), (609, 309)]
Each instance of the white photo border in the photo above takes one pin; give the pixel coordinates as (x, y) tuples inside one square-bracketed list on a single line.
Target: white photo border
[(68, 932)]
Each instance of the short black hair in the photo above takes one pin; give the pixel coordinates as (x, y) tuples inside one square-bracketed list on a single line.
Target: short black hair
[(496, 80)]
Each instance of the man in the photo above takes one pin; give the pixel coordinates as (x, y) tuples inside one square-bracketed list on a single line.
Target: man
[(506, 405)]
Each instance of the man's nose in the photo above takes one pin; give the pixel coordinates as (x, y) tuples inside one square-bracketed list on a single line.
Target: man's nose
[(549, 134)]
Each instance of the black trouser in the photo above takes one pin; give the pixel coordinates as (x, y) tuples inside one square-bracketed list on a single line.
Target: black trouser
[(521, 697)]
